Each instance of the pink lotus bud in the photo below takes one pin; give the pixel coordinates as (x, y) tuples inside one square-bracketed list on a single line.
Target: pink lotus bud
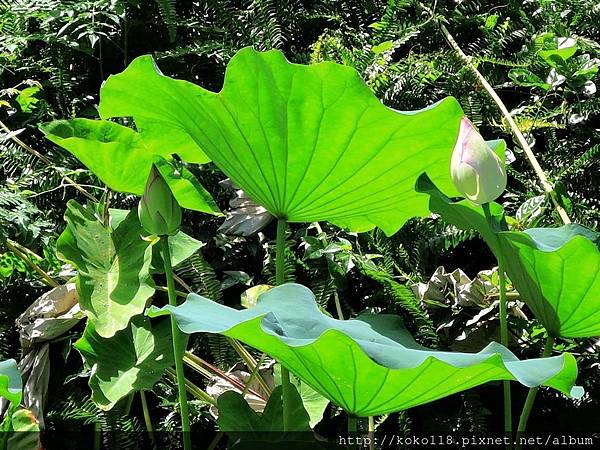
[(476, 171)]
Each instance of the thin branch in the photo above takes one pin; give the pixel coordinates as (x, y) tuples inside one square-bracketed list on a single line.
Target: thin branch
[(48, 162)]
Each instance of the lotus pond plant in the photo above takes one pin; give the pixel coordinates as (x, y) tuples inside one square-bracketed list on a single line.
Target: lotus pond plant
[(310, 143)]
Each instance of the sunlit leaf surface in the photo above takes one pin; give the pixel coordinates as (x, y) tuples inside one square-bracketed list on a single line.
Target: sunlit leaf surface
[(308, 143)]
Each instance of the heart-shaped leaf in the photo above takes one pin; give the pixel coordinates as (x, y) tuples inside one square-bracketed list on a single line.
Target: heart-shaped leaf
[(11, 384), (131, 360), (556, 270), (120, 157), (235, 415), (114, 281), (181, 245), (314, 403), (309, 143), (369, 366)]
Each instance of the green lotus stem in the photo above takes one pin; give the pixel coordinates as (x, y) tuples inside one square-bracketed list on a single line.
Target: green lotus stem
[(178, 349), (352, 424), (253, 375), (250, 362), (147, 418), (531, 396), (192, 388), (503, 328), (97, 436), (504, 341), (280, 279), (371, 433), (353, 429)]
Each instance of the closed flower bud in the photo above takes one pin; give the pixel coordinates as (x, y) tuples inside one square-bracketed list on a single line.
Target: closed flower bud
[(158, 211), (476, 171)]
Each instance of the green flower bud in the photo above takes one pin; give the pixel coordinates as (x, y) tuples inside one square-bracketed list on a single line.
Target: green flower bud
[(158, 211), (476, 170)]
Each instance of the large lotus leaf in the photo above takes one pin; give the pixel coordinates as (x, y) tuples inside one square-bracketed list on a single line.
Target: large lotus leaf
[(11, 385), (352, 362), (114, 281), (308, 143), (120, 157), (557, 272), (132, 360)]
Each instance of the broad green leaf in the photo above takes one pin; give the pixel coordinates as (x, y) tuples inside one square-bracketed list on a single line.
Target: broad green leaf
[(131, 360), (181, 245), (353, 363), (464, 214), (555, 50), (113, 265), (187, 190), (524, 77), (235, 415), (309, 143), (314, 403), (120, 157), (10, 381), (28, 99), (557, 272)]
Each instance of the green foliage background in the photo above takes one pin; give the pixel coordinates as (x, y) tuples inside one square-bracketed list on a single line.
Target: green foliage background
[(54, 54)]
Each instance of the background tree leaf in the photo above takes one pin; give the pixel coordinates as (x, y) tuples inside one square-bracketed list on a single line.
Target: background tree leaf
[(25, 433), (353, 363), (114, 281), (309, 143), (133, 359)]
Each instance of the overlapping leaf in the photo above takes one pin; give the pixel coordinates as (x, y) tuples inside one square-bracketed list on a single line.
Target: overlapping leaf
[(369, 366), (556, 270), (131, 360), (308, 143), (121, 158)]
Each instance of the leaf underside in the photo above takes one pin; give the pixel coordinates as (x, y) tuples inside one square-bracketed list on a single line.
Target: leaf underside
[(352, 362), (308, 143)]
